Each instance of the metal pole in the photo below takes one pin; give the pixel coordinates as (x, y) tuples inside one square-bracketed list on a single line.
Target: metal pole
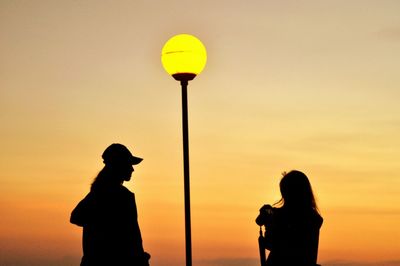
[(188, 237)]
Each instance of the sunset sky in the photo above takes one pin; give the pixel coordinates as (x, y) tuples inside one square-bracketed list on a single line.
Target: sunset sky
[(307, 85)]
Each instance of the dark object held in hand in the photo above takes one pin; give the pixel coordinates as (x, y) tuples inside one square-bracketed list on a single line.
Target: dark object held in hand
[(265, 216)]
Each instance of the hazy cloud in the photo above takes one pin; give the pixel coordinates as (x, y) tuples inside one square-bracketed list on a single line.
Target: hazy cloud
[(349, 263), (28, 261), (255, 262), (390, 34), (229, 262), (69, 261)]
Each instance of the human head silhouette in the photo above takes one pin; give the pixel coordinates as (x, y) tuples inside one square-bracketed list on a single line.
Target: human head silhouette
[(119, 154), (119, 160), (118, 167), (296, 191)]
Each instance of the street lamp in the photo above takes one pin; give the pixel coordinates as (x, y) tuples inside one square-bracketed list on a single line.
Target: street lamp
[(184, 57)]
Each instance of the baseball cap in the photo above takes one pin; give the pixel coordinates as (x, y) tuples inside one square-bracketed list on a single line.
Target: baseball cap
[(117, 153)]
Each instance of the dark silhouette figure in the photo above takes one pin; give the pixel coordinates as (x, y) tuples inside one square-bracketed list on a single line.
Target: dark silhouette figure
[(108, 215), (292, 228)]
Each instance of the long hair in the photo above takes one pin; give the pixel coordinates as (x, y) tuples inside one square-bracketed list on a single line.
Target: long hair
[(297, 193), (103, 179)]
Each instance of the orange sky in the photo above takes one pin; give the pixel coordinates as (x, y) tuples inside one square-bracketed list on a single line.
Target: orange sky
[(312, 86)]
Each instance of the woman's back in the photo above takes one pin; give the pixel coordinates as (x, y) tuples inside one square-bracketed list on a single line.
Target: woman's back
[(292, 230), (110, 230), (292, 238)]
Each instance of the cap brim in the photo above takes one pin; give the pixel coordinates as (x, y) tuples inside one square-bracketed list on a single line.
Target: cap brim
[(136, 160)]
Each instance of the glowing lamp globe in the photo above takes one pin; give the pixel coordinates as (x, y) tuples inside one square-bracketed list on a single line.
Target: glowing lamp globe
[(184, 57)]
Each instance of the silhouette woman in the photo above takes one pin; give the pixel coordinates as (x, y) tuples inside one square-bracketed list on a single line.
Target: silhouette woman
[(108, 215), (292, 229)]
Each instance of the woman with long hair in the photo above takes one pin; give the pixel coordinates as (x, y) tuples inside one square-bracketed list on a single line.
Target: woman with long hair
[(292, 224), (108, 215)]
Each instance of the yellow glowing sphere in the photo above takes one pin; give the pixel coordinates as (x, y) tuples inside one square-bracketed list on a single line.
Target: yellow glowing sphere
[(183, 54)]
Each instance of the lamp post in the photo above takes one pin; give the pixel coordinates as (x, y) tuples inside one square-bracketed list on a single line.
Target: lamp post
[(184, 57)]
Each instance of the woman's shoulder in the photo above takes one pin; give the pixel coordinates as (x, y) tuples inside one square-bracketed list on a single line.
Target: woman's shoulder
[(318, 220), (315, 219), (311, 217), (124, 190), (126, 195)]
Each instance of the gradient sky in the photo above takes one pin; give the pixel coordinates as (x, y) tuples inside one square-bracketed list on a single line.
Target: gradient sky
[(308, 85)]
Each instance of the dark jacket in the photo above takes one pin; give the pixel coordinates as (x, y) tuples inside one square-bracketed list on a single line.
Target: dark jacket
[(292, 238), (111, 234)]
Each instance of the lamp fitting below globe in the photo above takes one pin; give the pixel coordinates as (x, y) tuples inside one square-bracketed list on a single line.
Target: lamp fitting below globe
[(184, 76)]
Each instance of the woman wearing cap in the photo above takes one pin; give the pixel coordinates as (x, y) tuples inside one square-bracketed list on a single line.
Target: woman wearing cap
[(108, 214)]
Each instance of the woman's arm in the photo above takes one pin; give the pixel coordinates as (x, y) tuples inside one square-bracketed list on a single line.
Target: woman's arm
[(80, 215)]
